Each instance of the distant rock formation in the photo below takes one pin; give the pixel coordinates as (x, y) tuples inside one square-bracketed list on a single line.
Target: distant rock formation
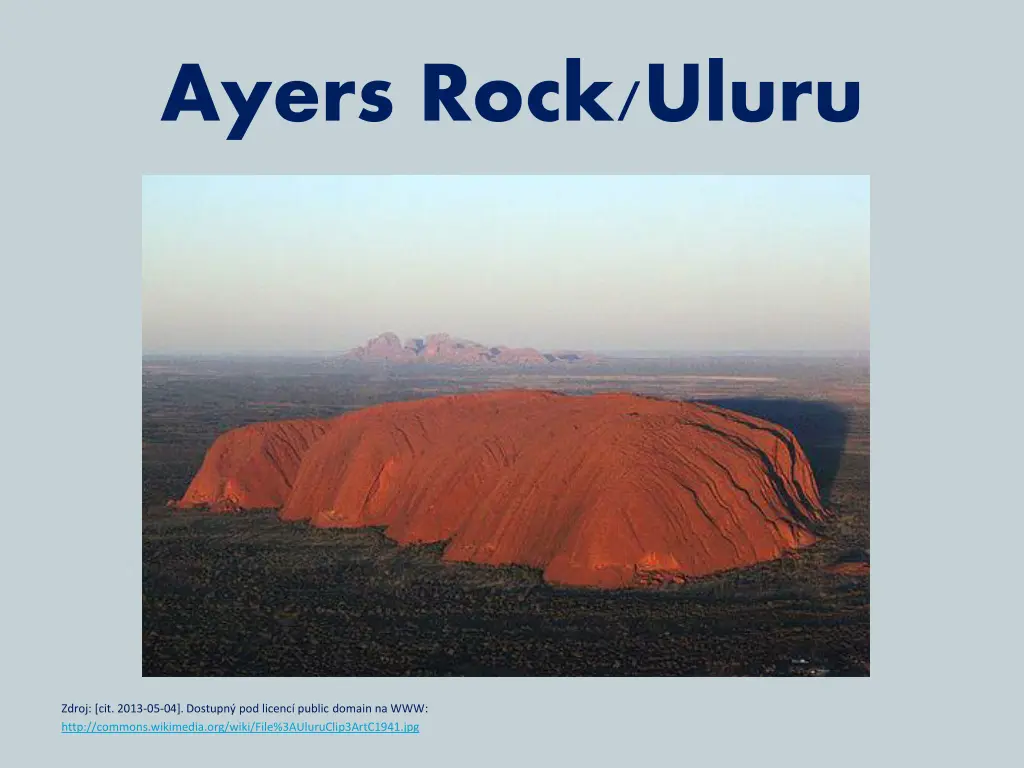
[(443, 348), (601, 490)]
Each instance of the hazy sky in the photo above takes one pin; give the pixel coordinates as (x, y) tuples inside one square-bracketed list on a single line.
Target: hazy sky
[(687, 263)]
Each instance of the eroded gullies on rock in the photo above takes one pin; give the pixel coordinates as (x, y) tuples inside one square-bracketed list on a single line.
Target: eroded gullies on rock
[(607, 490)]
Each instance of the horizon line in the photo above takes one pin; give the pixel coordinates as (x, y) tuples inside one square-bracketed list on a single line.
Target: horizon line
[(618, 352)]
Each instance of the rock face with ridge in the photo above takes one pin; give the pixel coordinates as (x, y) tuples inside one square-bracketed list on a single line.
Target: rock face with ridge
[(600, 490), (252, 467)]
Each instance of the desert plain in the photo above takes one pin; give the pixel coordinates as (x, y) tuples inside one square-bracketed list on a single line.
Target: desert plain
[(243, 592)]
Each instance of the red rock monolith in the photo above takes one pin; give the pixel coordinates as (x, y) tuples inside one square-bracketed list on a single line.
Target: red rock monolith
[(252, 467), (602, 490)]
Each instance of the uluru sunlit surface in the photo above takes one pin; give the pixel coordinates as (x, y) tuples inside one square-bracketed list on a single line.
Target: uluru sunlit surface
[(253, 467), (601, 490)]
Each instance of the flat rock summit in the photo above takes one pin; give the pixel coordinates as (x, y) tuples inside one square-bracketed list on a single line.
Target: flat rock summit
[(609, 490), (445, 349)]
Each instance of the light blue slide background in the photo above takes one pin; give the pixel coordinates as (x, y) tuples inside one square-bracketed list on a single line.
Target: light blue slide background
[(85, 86)]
